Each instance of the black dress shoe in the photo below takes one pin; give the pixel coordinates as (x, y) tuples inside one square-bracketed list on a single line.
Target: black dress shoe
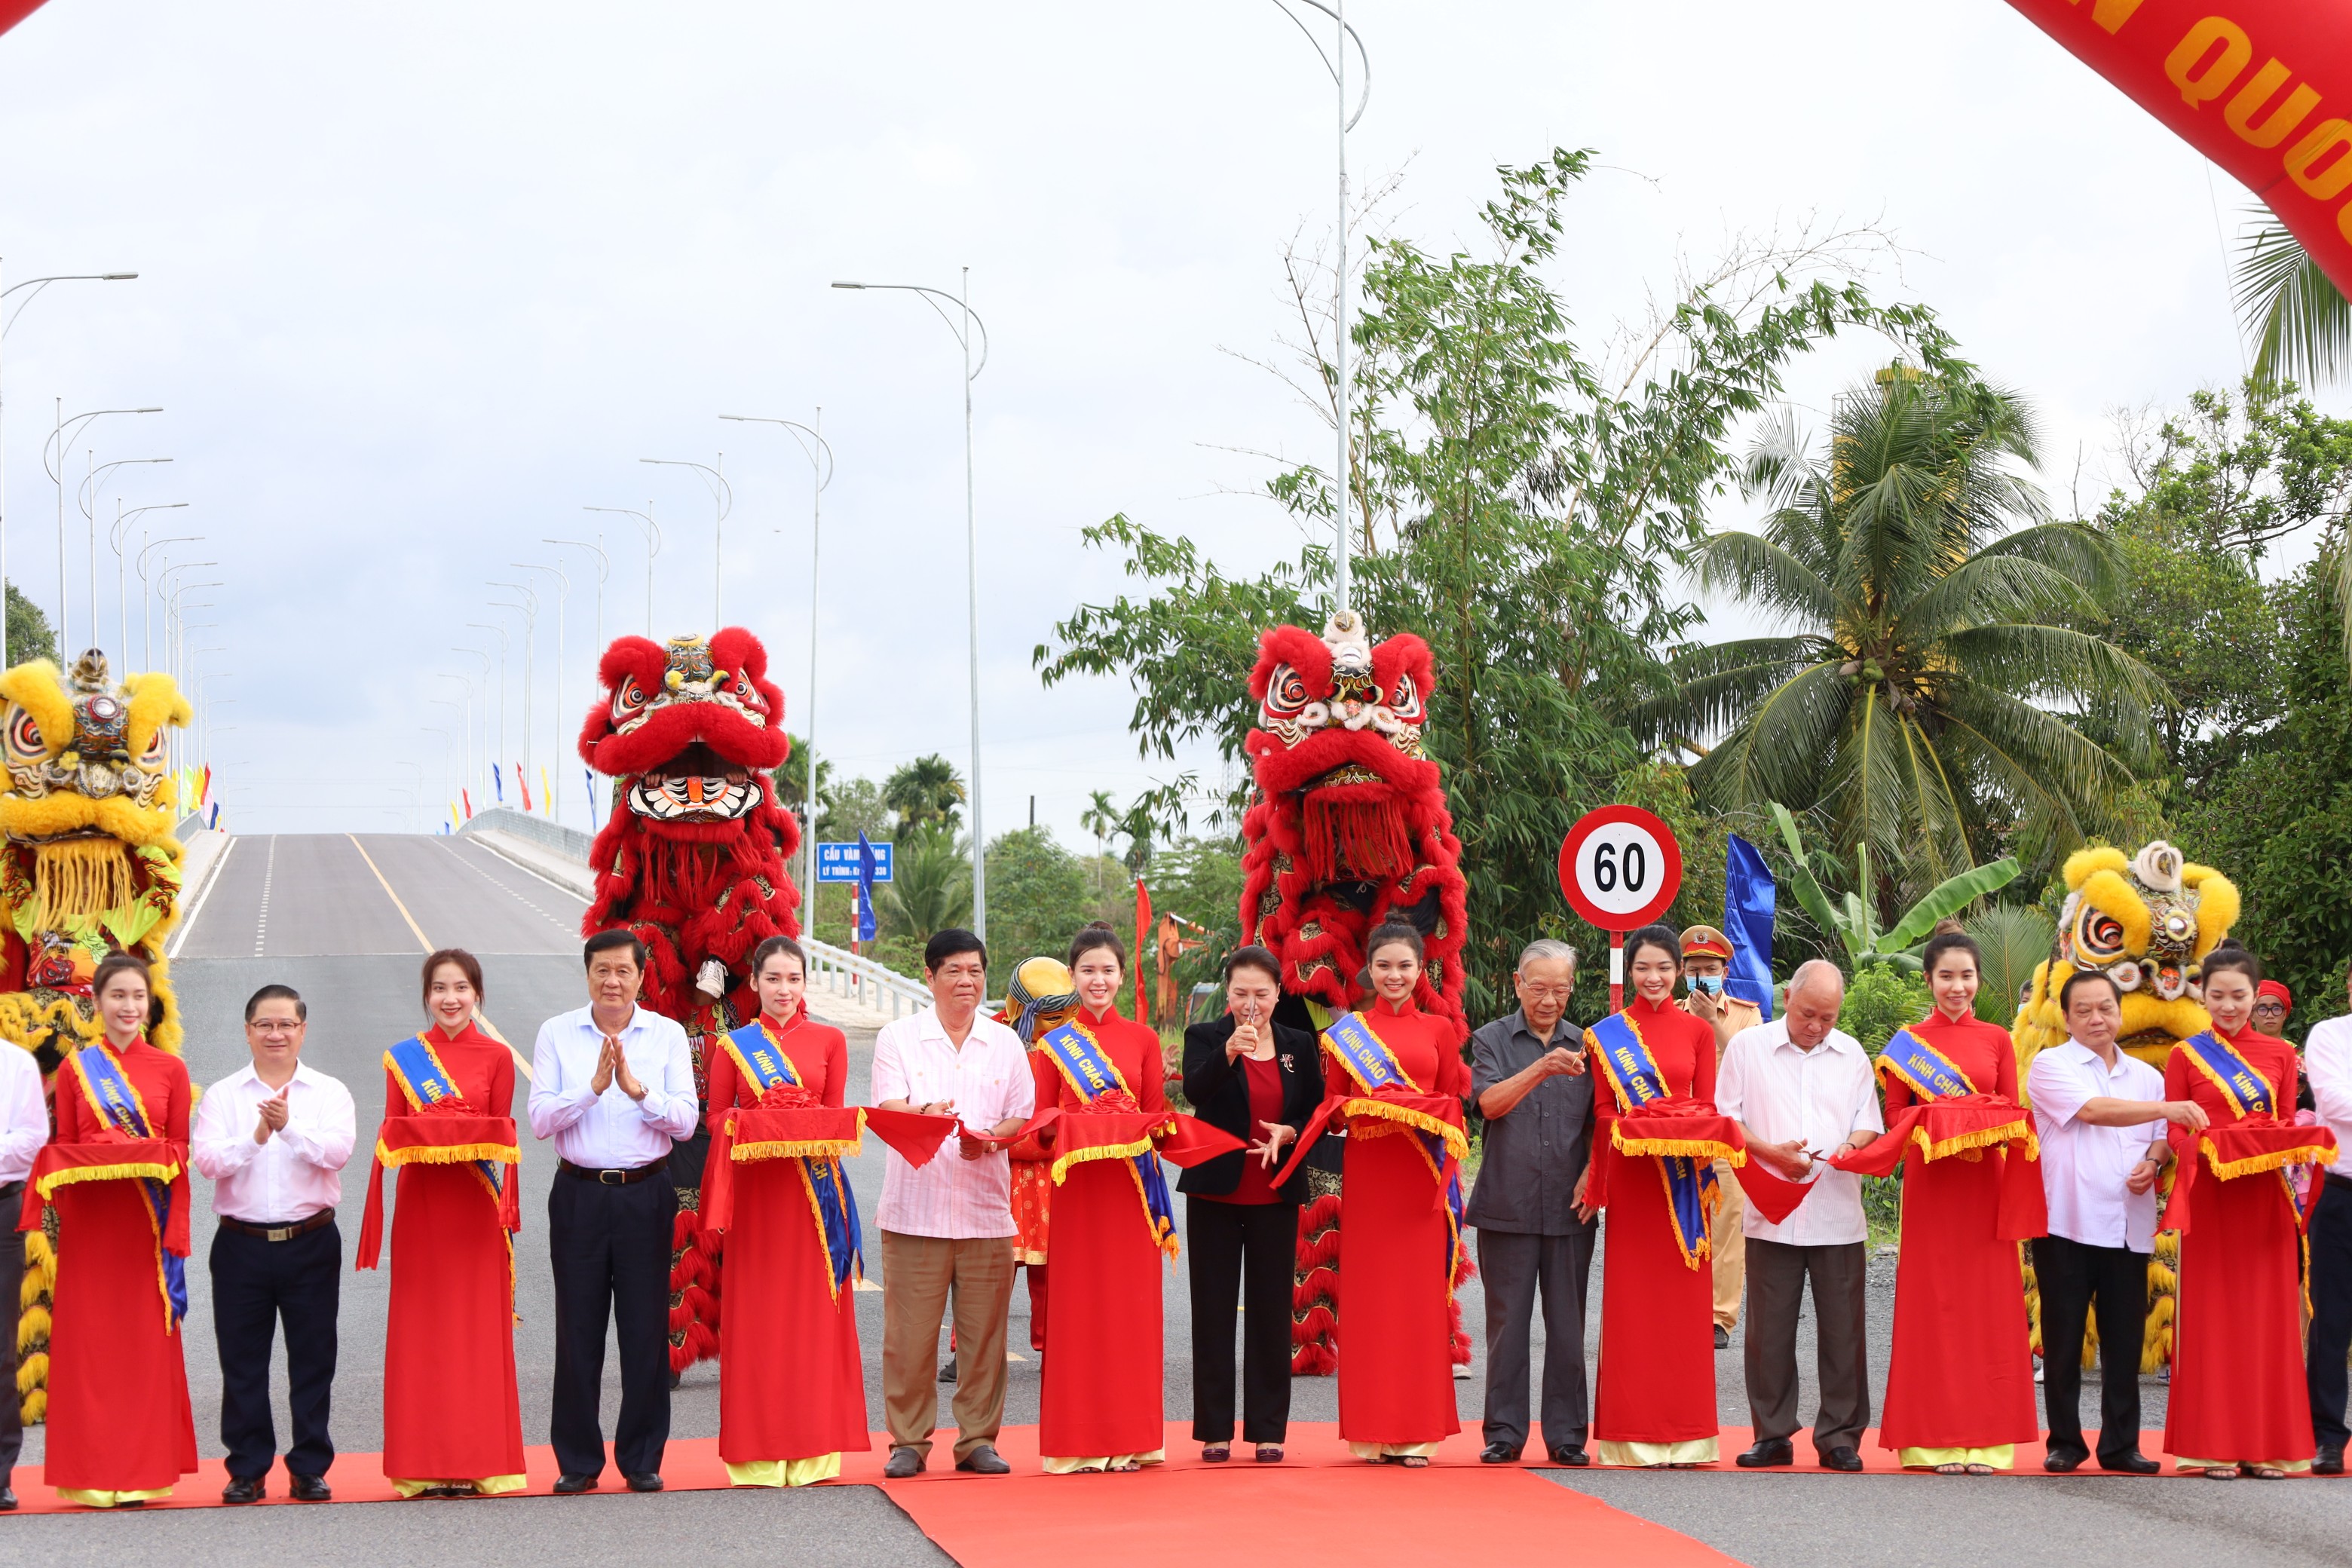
[(1722, 1338), (984, 1461), (7, 1500), (2063, 1461), (570, 1482), (902, 1464), (311, 1488), (2328, 1462), (1499, 1454), (1770, 1451), (244, 1489), (1570, 1454), (645, 1482), (1839, 1460), (2131, 1462)]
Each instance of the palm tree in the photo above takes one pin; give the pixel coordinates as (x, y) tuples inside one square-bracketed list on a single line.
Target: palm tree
[(1905, 708), (1102, 819), (2300, 322), (931, 885), (925, 794)]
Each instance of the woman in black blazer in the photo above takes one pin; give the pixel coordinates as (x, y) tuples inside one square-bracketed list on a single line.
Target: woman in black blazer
[(1260, 1081)]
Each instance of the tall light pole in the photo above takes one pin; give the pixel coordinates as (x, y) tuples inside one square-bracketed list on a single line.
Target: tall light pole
[(963, 335), (562, 596), (122, 584), (529, 608), (447, 760), (811, 443), (87, 497), (53, 461), (653, 547), (722, 501), (487, 626), (36, 284), (484, 657), (603, 570), (146, 588), (465, 727)]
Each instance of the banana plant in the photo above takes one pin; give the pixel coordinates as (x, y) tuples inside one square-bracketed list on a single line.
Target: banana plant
[(1855, 924)]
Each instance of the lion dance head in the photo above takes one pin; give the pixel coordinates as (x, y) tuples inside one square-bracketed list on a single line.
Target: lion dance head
[(1349, 829)]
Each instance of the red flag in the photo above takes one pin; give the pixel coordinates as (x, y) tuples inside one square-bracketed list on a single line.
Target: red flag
[(1142, 921), (469, 799), (2261, 92), (204, 785), (15, 11), (523, 785)]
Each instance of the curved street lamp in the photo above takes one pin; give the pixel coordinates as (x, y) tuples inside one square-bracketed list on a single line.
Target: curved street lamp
[(653, 547), (722, 501)]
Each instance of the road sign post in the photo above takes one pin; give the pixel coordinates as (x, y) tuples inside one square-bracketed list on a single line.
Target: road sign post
[(1620, 869)]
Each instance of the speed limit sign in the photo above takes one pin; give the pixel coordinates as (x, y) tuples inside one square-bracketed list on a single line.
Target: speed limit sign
[(1620, 869)]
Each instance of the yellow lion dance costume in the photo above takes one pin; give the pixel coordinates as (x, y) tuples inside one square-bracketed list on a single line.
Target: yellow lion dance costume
[(89, 866), (2146, 922)]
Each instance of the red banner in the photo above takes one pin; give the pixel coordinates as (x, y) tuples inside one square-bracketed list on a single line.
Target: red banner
[(2263, 88), (15, 11)]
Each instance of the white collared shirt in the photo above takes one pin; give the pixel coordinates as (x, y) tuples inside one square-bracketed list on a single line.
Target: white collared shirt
[(1819, 1098), (295, 1174), (610, 1131), (2327, 1063), (987, 1081), (24, 1115), (2085, 1167)]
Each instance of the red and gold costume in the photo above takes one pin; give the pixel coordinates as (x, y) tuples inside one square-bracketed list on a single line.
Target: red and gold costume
[(1040, 995), (1101, 1407), (451, 1417), (120, 1429), (2239, 1396), (792, 1389), (1656, 1404), (1961, 1387)]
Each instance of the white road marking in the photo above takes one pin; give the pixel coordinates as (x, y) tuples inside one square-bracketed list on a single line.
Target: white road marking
[(188, 921), (570, 928), (268, 877)]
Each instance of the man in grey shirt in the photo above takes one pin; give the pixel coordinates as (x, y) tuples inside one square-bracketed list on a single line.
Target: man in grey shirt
[(1527, 1078)]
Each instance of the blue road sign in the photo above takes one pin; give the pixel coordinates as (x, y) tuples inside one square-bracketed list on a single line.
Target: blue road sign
[(838, 862)]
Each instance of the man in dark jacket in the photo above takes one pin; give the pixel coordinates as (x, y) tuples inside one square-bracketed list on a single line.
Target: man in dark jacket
[(1527, 1078)]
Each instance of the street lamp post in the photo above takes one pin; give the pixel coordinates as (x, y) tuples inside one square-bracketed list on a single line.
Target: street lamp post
[(121, 582), (146, 589), (722, 501), (603, 570), (53, 461), (653, 547), (36, 284), (529, 608), (447, 760), (963, 335), (88, 498), (562, 596), (487, 626), (464, 728), (811, 443), (484, 657)]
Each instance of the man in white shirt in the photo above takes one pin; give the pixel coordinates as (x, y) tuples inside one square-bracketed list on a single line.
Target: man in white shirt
[(2327, 1065), (2099, 1115), (946, 1228), (1802, 1090), (23, 1128), (612, 1084), (273, 1139)]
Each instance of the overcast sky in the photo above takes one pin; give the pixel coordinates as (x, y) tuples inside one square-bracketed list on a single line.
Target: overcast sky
[(420, 282)]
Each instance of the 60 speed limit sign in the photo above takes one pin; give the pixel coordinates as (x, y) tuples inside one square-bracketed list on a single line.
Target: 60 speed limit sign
[(1619, 867)]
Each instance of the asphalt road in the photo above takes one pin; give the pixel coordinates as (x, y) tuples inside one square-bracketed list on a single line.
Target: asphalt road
[(346, 921)]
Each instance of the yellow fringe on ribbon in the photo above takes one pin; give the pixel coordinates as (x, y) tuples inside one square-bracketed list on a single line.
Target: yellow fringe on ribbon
[(1687, 1148), (2278, 1159), (1456, 1142), (1968, 1142), (1062, 1162), (799, 1149), (450, 1154), (146, 1169)]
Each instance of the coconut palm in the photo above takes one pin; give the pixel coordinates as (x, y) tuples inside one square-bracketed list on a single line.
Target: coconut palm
[(1909, 707), (929, 888), (1102, 819), (2300, 322), (926, 793)]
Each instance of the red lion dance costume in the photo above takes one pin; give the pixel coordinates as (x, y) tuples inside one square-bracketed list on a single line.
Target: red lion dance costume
[(694, 861), (1348, 829)]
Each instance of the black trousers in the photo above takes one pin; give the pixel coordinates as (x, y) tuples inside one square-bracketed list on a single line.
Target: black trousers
[(259, 1286), (1777, 1274), (2331, 1311), (1515, 1265), (1246, 1253), (610, 1250), (12, 1285), (2071, 1277)]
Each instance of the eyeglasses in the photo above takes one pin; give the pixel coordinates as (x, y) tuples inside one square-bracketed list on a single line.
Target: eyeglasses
[(1545, 993), (275, 1025)]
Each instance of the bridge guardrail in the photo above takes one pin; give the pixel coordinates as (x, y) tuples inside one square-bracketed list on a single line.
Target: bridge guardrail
[(857, 978)]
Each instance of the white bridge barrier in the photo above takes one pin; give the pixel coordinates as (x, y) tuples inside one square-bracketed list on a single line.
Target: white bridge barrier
[(860, 980)]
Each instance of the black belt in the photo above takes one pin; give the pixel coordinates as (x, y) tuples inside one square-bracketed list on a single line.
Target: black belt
[(286, 1232), (614, 1178)]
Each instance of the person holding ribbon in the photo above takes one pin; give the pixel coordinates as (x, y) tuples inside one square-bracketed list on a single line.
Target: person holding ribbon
[(1113, 1224), (2239, 1398), (1040, 995), (1960, 1391), (1655, 1404), (792, 1388), (120, 1431), (452, 1423)]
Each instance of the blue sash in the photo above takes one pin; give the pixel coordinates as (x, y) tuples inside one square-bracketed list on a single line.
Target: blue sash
[(416, 1067), (1635, 1077), (1086, 1067), (2245, 1088), (116, 1099), (1930, 1074), (761, 1060), (1369, 1061)]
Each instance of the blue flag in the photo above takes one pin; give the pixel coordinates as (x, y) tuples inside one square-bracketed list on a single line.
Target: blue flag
[(1749, 898), (866, 870), (497, 783), (590, 774)]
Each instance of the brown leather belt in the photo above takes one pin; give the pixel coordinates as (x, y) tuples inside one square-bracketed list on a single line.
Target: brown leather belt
[(614, 1178), (286, 1232)]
